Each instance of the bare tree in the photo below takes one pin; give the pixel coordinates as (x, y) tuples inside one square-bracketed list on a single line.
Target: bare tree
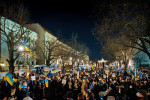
[(138, 58), (13, 33), (51, 51), (78, 50), (129, 22), (117, 52)]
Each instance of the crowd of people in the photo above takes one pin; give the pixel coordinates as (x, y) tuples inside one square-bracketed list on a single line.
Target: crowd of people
[(84, 85)]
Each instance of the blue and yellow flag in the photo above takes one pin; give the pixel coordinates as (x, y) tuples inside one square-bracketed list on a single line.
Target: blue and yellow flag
[(87, 80), (26, 48), (22, 86), (67, 71), (8, 78), (54, 70), (46, 83)]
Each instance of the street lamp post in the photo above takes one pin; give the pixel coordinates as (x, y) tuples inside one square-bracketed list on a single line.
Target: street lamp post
[(71, 60), (21, 48)]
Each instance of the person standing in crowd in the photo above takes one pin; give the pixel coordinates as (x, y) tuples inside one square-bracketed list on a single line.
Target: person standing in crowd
[(84, 86), (24, 90)]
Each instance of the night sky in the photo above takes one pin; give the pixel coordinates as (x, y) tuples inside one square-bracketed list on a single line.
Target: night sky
[(67, 17)]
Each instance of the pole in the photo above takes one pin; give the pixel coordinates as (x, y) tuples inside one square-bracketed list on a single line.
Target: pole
[(0, 39)]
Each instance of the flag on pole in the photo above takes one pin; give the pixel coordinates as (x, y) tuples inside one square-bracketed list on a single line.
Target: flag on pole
[(9, 78), (28, 50), (46, 83)]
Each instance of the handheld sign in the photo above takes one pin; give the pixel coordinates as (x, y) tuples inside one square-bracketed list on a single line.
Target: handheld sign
[(113, 75), (104, 76)]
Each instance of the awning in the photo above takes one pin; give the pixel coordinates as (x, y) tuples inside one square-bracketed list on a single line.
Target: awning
[(53, 66), (40, 66)]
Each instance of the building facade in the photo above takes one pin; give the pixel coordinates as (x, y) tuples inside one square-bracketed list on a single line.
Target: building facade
[(62, 52), (39, 38)]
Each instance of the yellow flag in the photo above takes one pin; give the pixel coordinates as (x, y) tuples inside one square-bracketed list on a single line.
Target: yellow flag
[(15, 79), (92, 67), (27, 49)]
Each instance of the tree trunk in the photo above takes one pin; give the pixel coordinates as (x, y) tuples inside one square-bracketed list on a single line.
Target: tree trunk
[(11, 67), (47, 63), (11, 59), (148, 55)]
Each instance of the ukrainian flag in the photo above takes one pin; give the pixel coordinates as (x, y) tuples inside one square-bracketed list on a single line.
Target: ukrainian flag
[(8, 78), (26, 48), (46, 83), (87, 80), (54, 70), (22, 86), (67, 71)]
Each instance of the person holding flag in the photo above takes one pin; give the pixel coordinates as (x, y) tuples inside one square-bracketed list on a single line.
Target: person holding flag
[(46, 82), (24, 90), (46, 87), (6, 85), (9, 78)]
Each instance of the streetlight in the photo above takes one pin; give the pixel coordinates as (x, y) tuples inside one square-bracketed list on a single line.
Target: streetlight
[(21, 48), (70, 58), (2, 66)]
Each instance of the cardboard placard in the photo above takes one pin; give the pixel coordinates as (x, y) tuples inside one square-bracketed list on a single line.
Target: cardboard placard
[(113, 75), (104, 76)]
